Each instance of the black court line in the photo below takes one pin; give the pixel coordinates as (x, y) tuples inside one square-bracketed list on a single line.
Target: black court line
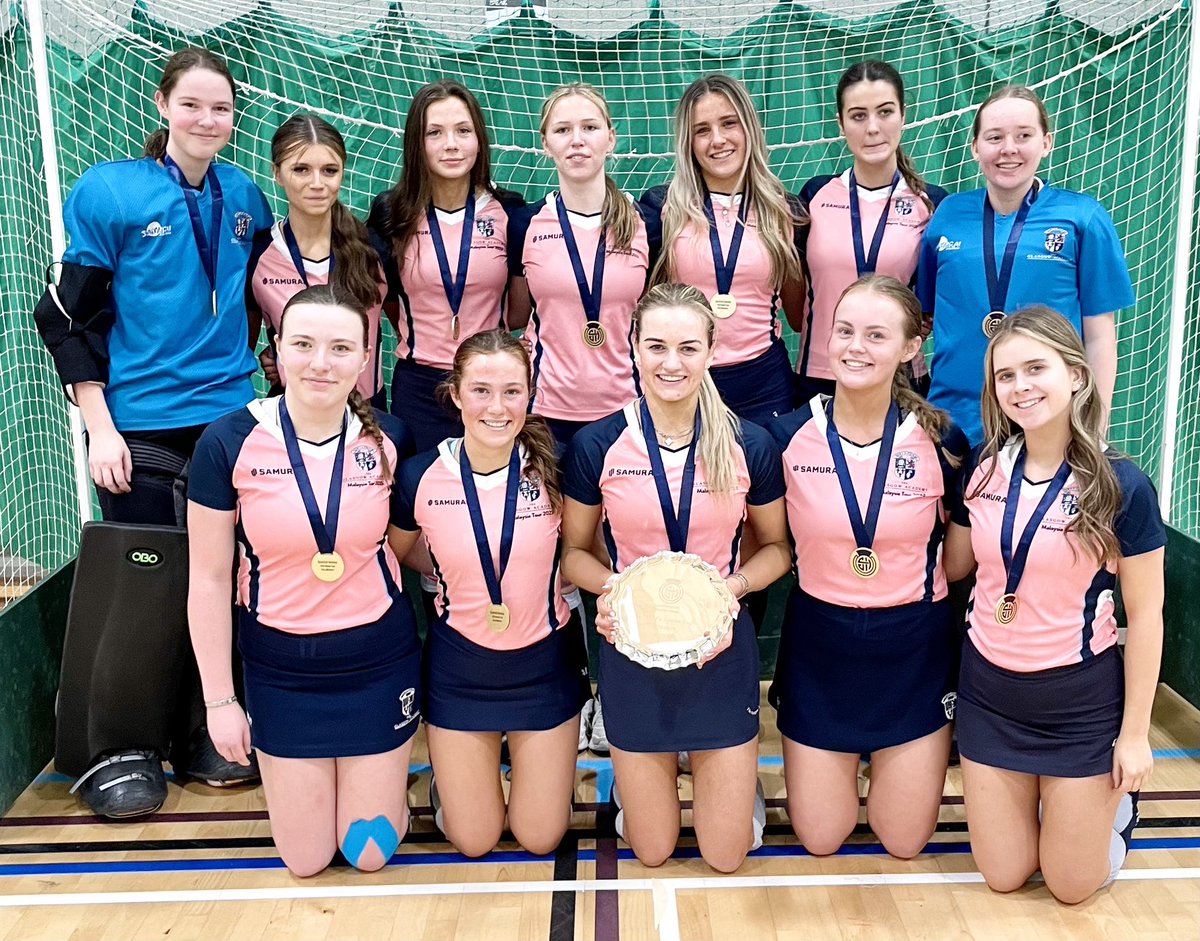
[(608, 905), (562, 904)]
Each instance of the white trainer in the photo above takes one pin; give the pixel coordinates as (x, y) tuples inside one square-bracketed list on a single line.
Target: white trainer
[(598, 738), (585, 724)]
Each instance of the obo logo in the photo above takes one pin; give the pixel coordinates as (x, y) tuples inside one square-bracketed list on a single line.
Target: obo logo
[(146, 558)]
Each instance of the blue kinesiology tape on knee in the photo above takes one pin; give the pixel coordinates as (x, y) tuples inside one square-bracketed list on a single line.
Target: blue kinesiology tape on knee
[(361, 832)]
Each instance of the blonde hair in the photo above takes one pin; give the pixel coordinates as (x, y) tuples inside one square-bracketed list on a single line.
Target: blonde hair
[(1099, 492), (720, 430), (933, 420), (761, 189), (618, 219)]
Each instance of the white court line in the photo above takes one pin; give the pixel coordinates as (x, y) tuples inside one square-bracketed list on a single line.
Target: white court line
[(518, 888)]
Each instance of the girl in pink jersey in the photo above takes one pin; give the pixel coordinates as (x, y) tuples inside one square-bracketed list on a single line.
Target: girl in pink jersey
[(580, 259), (866, 220), (318, 242), (1052, 721), (441, 232), (729, 229), (621, 472), (867, 656), (299, 486), (504, 653)]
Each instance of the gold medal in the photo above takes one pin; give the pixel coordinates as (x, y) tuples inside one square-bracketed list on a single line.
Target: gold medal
[(454, 328), (594, 334), (864, 562), (1006, 609), (328, 566), (991, 323), (497, 618), (723, 305)]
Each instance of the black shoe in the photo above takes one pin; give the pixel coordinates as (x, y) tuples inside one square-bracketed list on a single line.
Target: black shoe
[(124, 784), (206, 764)]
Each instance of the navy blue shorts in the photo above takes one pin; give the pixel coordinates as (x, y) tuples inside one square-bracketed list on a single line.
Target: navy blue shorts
[(652, 710), (335, 694), (471, 688), (861, 679), (1061, 722), (413, 400), (758, 389)]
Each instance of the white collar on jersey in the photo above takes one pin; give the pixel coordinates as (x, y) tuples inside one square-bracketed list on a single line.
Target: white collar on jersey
[(266, 413), (876, 193), (855, 452), (448, 454), (455, 216)]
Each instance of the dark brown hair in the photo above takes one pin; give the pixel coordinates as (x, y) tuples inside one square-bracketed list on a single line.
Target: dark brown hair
[(1012, 91), (357, 264), (182, 62)]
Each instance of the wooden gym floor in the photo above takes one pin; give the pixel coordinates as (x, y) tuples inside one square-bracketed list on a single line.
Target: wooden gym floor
[(205, 868)]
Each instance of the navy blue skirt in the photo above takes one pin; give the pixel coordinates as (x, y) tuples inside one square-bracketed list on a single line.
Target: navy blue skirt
[(414, 401), (758, 389), (652, 710), (471, 688), (335, 694), (1061, 722), (861, 679)]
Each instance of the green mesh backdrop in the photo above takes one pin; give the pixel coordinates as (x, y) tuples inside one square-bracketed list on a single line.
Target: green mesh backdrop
[(1114, 76)]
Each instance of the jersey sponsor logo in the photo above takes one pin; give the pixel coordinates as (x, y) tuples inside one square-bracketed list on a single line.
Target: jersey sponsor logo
[(297, 281), (812, 469), (993, 497), (365, 457), (531, 487), (630, 472), (485, 226), (546, 235), (1055, 240), (905, 463), (949, 701), (269, 471), (947, 245), (904, 205), (155, 230), (1069, 501), (447, 503), (407, 699), (242, 223)]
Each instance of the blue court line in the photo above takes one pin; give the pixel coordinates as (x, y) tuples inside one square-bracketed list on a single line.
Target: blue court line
[(496, 858), (603, 768)]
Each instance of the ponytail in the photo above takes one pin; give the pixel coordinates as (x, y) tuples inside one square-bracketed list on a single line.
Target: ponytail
[(916, 184), (356, 267), (619, 219), (156, 144), (719, 438), (541, 456), (370, 426)]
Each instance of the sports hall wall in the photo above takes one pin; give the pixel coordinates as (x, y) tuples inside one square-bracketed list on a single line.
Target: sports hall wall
[(1115, 77)]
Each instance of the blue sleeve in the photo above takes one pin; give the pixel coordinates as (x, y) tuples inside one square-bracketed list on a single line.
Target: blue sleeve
[(1138, 524), (509, 199), (765, 464), (404, 490), (1104, 284), (958, 507), (262, 241), (210, 474), (936, 194), (93, 220), (955, 444), (807, 192), (927, 263), (584, 462), (653, 222), (783, 428), (267, 217), (398, 431), (518, 227)]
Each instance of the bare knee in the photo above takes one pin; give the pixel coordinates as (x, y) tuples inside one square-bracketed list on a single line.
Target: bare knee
[(652, 852), (902, 844), (1070, 887), (1005, 879), (306, 863), (723, 858), (539, 842), (821, 840), (473, 843)]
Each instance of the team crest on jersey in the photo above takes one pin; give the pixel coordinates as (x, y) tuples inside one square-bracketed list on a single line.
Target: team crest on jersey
[(365, 458), (904, 206), (531, 487), (242, 221), (1070, 502), (949, 701), (486, 226), (1055, 240), (905, 463)]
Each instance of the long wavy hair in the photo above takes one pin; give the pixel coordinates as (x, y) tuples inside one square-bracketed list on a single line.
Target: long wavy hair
[(334, 295), (687, 191), (1099, 492), (720, 429), (535, 436), (618, 219)]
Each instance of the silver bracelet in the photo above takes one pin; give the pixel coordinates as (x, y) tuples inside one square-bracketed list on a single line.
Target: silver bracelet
[(218, 703), (745, 584)]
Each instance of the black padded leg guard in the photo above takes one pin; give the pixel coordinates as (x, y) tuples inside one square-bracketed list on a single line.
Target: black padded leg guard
[(126, 645)]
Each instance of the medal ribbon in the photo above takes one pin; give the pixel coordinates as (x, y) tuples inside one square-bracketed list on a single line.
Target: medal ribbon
[(997, 284), (457, 288), (589, 297), (866, 263), (1014, 562), (677, 524), (324, 530), (208, 249), (864, 529), (293, 248), (507, 527), (724, 267)]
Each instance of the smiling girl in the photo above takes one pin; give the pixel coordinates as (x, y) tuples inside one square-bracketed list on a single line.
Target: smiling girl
[(1053, 721)]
